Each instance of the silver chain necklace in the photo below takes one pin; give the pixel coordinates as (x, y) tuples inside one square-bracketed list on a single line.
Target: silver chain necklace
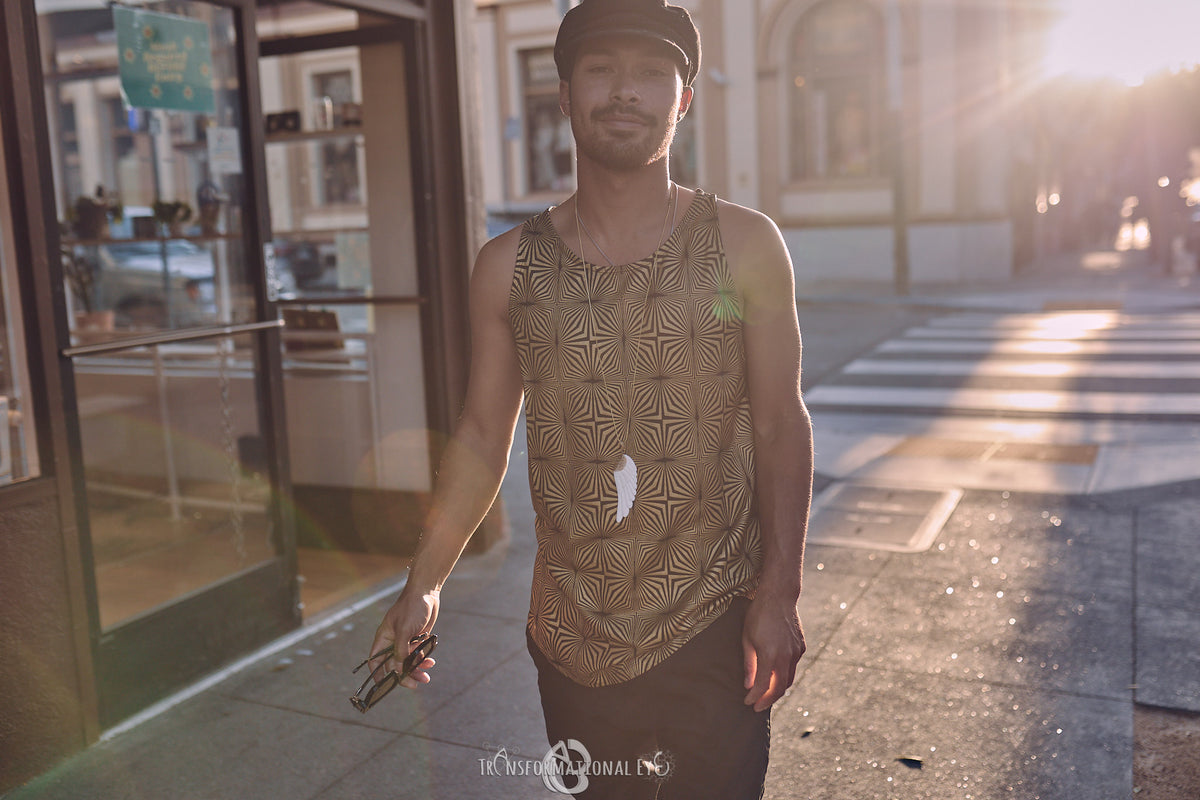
[(581, 230)]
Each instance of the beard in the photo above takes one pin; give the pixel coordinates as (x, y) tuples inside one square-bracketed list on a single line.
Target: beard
[(622, 151)]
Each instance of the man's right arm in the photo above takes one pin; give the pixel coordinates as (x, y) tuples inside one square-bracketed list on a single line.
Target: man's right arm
[(476, 457)]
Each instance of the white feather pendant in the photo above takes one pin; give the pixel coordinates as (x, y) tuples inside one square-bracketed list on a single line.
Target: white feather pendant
[(626, 480)]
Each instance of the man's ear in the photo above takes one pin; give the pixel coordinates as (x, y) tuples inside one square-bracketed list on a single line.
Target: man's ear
[(685, 102), (564, 98)]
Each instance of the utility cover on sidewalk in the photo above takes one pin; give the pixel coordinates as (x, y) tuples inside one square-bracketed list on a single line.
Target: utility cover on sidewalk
[(879, 517)]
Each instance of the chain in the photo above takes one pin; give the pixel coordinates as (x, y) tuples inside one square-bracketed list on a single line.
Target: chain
[(669, 217), (231, 456)]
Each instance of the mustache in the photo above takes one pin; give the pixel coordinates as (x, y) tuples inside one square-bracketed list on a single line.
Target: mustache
[(618, 109)]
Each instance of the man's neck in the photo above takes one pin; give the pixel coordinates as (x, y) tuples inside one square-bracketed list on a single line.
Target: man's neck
[(624, 206)]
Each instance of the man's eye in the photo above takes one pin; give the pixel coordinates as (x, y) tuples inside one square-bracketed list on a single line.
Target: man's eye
[(658, 71)]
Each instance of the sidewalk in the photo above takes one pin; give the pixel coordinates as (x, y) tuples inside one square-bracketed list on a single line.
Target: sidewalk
[(1007, 660)]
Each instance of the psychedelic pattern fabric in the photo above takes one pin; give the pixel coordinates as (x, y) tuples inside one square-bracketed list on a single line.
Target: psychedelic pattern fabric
[(644, 360)]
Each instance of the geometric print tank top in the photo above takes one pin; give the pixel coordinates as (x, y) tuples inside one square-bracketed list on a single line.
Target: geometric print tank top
[(644, 360)]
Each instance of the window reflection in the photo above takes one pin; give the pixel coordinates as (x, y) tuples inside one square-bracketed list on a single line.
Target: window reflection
[(317, 168), (338, 163), (150, 199), (837, 96), (177, 493)]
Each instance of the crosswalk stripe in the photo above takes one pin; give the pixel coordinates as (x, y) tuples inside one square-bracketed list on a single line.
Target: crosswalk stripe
[(1026, 369), (1068, 402), (1117, 334), (1038, 347), (1091, 320), (1006, 401), (1107, 363)]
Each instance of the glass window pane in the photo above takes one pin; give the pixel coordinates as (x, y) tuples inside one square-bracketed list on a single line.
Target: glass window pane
[(149, 181), (177, 492), (339, 175), (836, 100), (152, 193), (18, 444), (341, 196), (355, 401), (317, 168)]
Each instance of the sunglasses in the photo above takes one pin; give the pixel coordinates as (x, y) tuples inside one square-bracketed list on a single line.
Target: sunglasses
[(377, 685)]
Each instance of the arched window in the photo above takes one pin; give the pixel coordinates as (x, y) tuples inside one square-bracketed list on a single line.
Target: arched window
[(837, 92)]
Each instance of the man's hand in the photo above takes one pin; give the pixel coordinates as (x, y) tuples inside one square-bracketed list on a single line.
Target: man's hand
[(475, 459), (772, 644), (412, 614)]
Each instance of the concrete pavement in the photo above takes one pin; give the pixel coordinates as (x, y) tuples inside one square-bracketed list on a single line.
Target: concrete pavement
[(1008, 658)]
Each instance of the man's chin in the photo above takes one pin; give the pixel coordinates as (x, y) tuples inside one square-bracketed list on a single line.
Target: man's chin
[(626, 159)]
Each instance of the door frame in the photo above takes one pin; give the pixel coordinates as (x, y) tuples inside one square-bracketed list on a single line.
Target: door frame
[(26, 150), (140, 661)]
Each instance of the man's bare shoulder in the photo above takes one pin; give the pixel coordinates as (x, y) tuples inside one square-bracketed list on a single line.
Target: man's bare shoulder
[(499, 254), (492, 275), (737, 217), (752, 239)]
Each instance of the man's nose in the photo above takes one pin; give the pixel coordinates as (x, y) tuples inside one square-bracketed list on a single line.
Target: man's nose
[(624, 87)]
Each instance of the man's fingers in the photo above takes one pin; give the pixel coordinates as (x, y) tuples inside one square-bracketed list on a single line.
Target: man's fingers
[(405, 629), (395, 659), (762, 683), (758, 673), (771, 652), (767, 679), (772, 692), (419, 675), (749, 663)]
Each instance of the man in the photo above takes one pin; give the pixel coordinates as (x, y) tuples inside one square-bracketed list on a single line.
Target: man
[(652, 332)]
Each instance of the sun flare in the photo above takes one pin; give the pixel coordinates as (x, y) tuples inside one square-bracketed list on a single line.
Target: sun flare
[(1128, 41)]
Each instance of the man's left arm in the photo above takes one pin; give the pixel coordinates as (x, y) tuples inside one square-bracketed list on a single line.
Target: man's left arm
[(773, 640)]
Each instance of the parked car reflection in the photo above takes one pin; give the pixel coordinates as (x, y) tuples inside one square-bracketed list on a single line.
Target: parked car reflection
[(131, 281), (149, 282)]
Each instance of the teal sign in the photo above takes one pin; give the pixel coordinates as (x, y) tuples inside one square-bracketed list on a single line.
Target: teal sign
[(165, 61)]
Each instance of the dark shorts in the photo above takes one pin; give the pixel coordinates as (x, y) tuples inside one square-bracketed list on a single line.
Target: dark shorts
[(679, 731)]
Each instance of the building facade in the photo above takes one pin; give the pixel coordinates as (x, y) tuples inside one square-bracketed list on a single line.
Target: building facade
[(878, 134)]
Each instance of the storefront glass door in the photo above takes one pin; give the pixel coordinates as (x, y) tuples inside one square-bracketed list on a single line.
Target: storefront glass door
[(351, 233), (174, 353)]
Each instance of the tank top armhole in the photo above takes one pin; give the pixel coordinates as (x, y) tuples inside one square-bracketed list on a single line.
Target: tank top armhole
[(707, 204), (524, 258)]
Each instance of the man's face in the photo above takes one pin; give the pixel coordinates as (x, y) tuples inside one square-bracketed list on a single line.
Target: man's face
[(624, 99)]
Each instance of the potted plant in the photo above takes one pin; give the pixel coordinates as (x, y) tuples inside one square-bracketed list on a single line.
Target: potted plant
[(172, 215), (89, 217), (80, 272)]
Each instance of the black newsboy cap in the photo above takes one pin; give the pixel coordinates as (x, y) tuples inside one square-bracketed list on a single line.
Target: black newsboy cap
[(652, 18)]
